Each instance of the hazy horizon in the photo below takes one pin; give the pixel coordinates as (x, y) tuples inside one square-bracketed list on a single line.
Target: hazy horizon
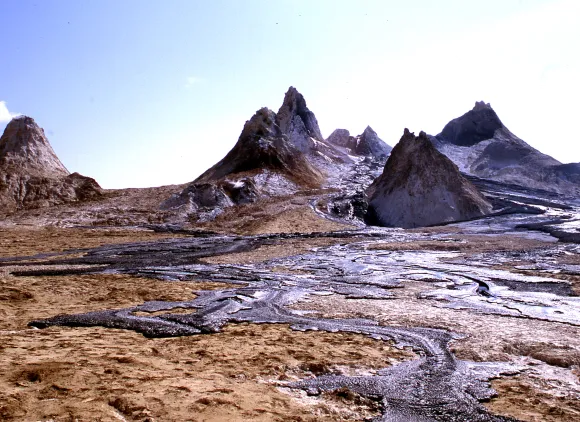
[(140, 94)]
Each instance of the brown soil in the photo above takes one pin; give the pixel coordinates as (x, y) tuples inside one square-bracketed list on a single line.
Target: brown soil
[(523, 398), (552, 349), (285, 248), (98, 374), (66, 374), (117, 207), (280, 215), (23, 241), (465, 243), (23, 299)]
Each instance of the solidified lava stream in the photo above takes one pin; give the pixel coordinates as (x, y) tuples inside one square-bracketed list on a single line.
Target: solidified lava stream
[(435, 387)]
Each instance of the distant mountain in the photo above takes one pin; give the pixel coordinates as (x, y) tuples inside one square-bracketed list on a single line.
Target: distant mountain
[(420, 186), (480, 144), (276, 154), (31, 175), (367, 144)]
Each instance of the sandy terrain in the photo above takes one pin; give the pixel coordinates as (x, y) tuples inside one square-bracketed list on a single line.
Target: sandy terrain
[(550, 350), (98, 374), (280, 215), (22, 241)]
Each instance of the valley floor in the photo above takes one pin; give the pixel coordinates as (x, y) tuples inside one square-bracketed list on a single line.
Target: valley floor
[(244, 371)]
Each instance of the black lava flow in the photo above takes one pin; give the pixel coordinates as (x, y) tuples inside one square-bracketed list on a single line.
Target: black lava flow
[(434, 387)]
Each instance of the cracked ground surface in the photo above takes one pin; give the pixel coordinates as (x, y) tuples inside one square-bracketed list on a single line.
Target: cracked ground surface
[(385, 324)]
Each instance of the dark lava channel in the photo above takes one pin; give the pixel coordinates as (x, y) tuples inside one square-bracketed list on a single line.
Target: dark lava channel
[(435, 387)]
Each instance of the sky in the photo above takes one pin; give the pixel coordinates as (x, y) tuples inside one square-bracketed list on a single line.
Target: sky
[(146, 93)]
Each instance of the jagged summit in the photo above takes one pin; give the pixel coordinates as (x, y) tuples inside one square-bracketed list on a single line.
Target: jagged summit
[(481, 145), (24, 146), (420, 186), (340, 137), (264, 162), (481, 105), (367, 144), (263, 146), (297, 121), (299, 124), (478, 124)]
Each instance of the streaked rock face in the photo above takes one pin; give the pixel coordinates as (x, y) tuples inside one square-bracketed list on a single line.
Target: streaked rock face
[(421, 187), (297, 121), (475, 126), (32, 176), (25, 147), (262, 145), (340, 137), (480, 144), (263, 162), (367, 144)]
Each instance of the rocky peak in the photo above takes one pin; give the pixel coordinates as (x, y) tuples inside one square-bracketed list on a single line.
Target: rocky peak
[(263, 146), (366, 144), (297, 121), (481, 105), (370, 144), (475, 126), (420, 186), (262, 125), (32, 176), (24, 147), (340, 137)]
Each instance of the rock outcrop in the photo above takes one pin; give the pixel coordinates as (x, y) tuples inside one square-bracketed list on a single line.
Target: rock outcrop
[(340, 138), (263, 146), (24, 147), (32, 176), (480, 144), (367, 144), (299, 124), (264, 162), (475, 126), (420, 186)]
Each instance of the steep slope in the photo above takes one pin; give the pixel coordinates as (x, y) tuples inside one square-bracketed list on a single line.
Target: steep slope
[(263, 146), (264, 162), (419, 186), (32, 176), (24, 146), (299, 124), (367, 144), (480, 144), (340, 138)]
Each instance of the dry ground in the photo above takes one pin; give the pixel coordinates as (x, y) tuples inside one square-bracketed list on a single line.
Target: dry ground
[(280, 215), (24, 241), (550, 350), (98, 374), (465, 243)]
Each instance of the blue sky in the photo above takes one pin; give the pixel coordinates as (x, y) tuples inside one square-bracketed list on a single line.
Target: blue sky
[(147, 93)]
